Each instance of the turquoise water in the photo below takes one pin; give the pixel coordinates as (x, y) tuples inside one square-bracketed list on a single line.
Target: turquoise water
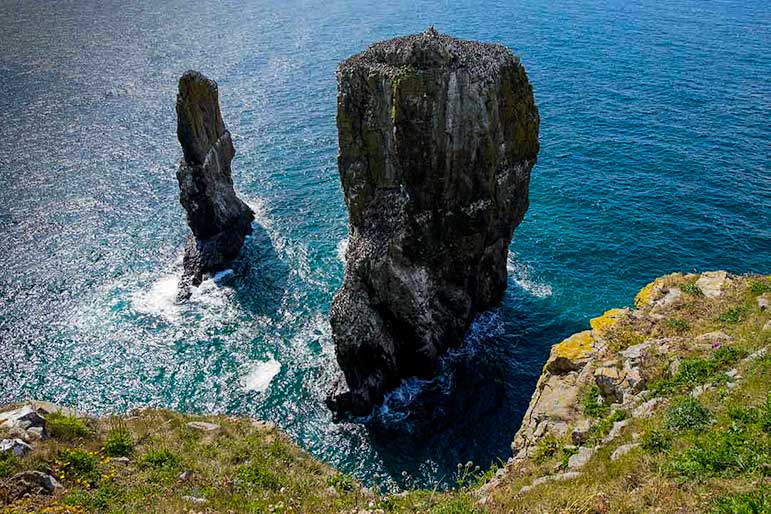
[(655, 158)]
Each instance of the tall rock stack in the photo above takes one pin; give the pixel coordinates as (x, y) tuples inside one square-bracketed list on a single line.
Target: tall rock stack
[(437, 139), (218, 219)]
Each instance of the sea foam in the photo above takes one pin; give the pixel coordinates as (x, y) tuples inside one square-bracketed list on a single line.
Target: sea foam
[(260, 375)]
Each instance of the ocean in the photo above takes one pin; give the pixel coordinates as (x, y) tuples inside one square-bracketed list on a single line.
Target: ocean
[(655, 145)]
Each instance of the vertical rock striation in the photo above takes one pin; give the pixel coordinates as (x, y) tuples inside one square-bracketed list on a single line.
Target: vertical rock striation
[(218, 219), (437, 139)]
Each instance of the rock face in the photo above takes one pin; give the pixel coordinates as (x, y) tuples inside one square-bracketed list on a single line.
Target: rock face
[(218, 219), (437, 139)]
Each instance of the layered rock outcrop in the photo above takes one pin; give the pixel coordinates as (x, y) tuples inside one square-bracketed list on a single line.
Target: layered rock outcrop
[(437, 139), (219, 220), (634, 364)]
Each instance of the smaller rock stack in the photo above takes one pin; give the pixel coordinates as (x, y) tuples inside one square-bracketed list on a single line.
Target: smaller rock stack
[(218, 219)]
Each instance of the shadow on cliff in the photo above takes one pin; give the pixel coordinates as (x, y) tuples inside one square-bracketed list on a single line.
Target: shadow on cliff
[(261, 276), (479, 397)]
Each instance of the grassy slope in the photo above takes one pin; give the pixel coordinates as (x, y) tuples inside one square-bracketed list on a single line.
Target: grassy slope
[(692, 459)]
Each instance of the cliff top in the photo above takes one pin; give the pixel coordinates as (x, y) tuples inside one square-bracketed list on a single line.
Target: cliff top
[(662, 407), (430, 50)]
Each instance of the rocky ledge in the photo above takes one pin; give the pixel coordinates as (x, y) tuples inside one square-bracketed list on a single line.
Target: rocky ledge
[(219, 220), (437, 139), (654, 389)]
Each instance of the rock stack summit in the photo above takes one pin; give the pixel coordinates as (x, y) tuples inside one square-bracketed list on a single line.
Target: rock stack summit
[(218, 219), (437, 139)]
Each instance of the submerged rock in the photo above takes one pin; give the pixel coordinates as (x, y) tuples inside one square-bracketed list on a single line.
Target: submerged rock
[(218, 219), (437, 139)]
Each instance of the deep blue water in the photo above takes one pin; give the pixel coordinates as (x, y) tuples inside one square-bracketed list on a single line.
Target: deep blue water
[(655, 158)]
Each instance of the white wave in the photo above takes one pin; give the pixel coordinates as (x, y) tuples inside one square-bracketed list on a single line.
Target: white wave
[(342, 247), (260, 375), (210, 294), (522, 275), (261, 216), (160, 299)]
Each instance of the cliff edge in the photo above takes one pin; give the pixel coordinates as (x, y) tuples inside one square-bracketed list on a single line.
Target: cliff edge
[(663, 407)]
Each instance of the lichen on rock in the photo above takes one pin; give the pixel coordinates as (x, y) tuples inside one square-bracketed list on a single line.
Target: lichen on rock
[(219, 220), (437, 139)]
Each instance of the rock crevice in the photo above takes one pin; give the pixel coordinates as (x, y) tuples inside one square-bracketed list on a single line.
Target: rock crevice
[(437, 139)]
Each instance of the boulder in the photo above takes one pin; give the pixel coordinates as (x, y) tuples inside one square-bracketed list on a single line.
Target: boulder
[(711, 283), (218, 219), (15, 446), (30, 483), (437, 137), (24, 417)]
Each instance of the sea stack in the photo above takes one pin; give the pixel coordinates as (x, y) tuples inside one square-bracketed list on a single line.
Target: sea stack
[(218, 219), (437, 138)]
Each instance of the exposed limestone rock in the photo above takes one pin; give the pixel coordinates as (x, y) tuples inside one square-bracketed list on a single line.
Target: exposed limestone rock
[(608, 379), (25, 417), (204, 426), (608, 319), (711, 283), (560, 477), (646, 409), (764, 301), (615, 431), (581, 459), (580, 432), (218, 219), (437, 139), (623, 450), (712, 337)]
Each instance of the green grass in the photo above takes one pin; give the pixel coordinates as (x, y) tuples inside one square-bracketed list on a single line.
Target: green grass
[(66, 428), (119, 442), (656, 441), (733, 315), (690, 288), (259, 475), (547, 448), (756, 502), (687, 414), (698, 371), (8, 464), (679, 326), (79, 465), (593, 403), (160, 458), (758, 287)]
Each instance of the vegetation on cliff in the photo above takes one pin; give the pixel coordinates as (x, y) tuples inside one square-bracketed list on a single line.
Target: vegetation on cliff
[(665, 408)]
